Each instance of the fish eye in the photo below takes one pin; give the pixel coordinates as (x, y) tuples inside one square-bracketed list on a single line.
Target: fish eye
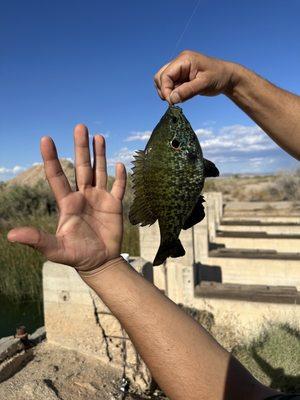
[(175, 144), (174, 120)]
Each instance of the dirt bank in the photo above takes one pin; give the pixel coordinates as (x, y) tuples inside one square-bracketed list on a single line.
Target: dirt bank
[(59, 374)]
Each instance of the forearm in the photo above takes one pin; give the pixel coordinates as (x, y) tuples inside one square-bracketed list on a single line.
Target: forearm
[(275, 110), (183, 358)]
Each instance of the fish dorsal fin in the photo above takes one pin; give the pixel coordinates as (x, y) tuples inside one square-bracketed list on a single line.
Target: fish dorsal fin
[(196, 215), (210, 170), (140, 211)]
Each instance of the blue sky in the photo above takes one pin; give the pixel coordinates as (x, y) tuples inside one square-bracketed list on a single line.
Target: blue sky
[(64, 62)]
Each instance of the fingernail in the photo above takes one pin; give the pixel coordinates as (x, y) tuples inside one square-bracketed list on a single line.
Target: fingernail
[(11, 238), (175, 98)]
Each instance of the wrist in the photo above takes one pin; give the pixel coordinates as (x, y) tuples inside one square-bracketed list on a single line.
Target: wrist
[(92, 276), (236, 76)]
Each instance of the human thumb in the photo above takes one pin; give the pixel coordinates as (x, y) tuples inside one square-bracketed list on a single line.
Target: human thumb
[(187, 90), (42, 241)]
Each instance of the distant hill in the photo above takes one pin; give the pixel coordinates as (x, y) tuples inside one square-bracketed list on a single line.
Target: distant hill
[(239, 187), (35, 174)]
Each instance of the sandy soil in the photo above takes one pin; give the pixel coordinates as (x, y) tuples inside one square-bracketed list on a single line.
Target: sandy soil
[(58, 374)]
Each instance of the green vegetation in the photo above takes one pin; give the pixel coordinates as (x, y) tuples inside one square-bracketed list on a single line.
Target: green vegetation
[(274, 357), (20, 266)]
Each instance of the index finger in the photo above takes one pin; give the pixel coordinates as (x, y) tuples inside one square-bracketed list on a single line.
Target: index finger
[(158, 74), (175, 73), (56, 177), (157, 80)]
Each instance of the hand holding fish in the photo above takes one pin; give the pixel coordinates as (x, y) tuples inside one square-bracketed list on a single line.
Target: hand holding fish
[(275, 110), (90, 225), (193, 73)]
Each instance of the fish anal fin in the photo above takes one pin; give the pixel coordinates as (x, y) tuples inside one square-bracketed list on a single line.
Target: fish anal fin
[(140, 211), (196, 215), (168, 249), (210, 170)]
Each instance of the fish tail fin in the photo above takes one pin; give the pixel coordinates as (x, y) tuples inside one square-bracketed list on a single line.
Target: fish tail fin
[(169, 249)]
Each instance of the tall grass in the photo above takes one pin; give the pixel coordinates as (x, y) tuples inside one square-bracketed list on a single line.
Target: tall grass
[(20, 266)]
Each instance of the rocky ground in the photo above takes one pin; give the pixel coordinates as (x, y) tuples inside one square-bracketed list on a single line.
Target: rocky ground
[(59, 374)]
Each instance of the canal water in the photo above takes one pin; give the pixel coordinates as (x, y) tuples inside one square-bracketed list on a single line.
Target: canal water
[(14, 314)]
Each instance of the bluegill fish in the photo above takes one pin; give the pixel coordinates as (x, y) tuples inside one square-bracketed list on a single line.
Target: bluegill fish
[(168, 177)]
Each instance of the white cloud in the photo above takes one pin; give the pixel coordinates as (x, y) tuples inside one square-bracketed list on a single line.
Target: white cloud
[(7, 173), (238, 138), (124, 155), (105, 135), (13, 171), (203, 132), (138, 136)]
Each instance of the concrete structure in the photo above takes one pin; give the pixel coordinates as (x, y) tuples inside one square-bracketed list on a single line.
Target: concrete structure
[(259, 241), (14, 356), (75, 318), (256, 226), (245, 289), (208, 260)]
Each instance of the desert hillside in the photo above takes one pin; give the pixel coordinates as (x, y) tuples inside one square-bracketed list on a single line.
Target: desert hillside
[(35, 174)]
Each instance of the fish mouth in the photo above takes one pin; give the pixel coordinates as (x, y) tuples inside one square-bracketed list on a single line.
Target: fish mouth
[(174, 113), (174, 110)]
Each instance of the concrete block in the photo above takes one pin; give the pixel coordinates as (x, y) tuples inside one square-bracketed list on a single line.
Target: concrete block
[(281, 245), (9, 346), (270, 229), (201, 240), (14, 364), (246, 319), (38, 336), (75, 318), (273, 272), (256, 216)]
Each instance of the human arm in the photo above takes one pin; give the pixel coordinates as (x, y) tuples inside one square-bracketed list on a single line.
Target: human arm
[(185, 360), (275, 110)]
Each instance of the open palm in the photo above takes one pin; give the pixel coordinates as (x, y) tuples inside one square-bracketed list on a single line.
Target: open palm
[(90, 226)]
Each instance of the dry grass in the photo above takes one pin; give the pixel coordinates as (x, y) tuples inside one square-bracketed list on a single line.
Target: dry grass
[(273, 358), (280, 187)]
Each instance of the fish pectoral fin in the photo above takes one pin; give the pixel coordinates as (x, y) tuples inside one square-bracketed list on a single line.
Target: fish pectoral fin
[(210, 170), (169, 249), (140, 211), (196, 215)]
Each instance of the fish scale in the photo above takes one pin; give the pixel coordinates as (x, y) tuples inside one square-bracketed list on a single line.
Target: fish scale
[(168, 177)]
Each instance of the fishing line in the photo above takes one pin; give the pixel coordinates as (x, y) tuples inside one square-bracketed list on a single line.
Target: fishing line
[(185, 28)]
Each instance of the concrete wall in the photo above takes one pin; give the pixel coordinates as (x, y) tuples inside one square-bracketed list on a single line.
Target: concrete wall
[(75, 318), (247, 319), (276, 229), (257, 271), (282, 245), (229, 216)]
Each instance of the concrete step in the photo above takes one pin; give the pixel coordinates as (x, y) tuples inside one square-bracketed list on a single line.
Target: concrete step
[(267, 206), (255, 267), (254, 254), (257, 293), (259, 241), (256, 226), (242, 218)]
